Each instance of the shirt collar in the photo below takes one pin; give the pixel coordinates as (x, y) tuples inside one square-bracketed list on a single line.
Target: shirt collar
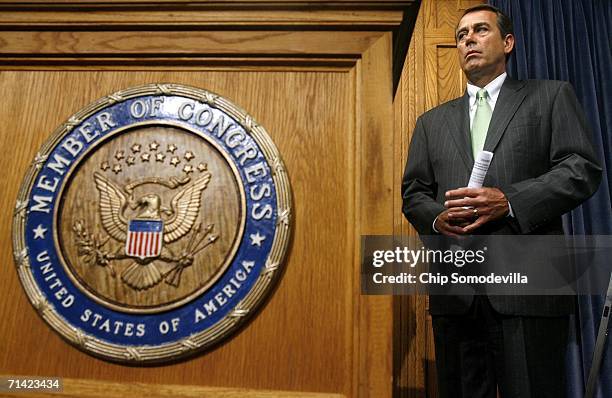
[(493, 88)]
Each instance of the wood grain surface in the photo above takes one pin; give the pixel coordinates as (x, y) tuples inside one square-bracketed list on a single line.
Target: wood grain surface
[(188, 19), (80, 388), (260, 5), (299, 341), (117, 43), (302, 123), (325, 97)]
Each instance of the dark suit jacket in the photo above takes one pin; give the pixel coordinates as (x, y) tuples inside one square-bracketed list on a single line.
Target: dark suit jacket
[(543, 161)]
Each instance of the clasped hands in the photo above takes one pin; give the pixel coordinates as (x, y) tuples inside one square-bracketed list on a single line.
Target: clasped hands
[(469, 208)]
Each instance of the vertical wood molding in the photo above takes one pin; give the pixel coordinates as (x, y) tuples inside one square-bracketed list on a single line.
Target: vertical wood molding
[(376, 135)]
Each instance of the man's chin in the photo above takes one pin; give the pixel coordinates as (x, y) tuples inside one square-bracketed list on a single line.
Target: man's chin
[(472, 71), (472, 64)]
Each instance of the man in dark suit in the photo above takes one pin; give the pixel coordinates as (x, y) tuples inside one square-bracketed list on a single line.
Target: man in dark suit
[(543, 166)]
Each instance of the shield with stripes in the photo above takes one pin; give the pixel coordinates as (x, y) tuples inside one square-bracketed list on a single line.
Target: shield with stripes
[(144, 238)]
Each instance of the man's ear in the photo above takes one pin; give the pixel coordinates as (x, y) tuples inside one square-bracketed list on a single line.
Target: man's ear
[(508, 43)]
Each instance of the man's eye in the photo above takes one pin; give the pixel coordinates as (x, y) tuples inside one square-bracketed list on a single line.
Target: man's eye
[(460, 36)]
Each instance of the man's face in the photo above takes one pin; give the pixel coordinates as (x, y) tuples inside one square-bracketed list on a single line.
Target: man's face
[(482, 50)]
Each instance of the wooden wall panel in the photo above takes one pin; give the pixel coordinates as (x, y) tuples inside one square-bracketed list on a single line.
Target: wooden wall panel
[(316, 261), (444, 15), (91, 43), (409, 359), (449, 74), (79, 388), (445, 79), (375, 195)]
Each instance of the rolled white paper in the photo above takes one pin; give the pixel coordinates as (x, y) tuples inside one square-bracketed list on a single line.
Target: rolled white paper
[(479, 171), (481, 166)]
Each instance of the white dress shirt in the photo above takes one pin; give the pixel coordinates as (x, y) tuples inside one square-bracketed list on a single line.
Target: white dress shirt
[(493, 89)]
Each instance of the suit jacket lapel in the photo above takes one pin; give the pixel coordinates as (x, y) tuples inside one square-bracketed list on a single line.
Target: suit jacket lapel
[(510, 98), (458, 121)]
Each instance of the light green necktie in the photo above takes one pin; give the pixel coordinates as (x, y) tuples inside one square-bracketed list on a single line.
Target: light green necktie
[(480, 125)]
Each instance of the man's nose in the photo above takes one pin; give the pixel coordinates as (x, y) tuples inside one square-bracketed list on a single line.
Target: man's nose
[(469, 38)]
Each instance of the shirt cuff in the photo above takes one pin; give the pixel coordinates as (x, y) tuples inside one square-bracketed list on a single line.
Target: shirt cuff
[(433, 226), (510, 212)]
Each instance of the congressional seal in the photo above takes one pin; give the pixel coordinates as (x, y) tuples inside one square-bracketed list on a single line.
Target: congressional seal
[(152, 223)]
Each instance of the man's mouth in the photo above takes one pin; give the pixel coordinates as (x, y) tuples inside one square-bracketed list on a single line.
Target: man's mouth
[(471, 52)]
